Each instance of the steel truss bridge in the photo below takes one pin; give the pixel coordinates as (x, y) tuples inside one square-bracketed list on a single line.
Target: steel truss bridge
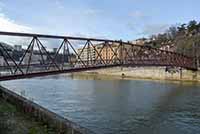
[(75, 54)]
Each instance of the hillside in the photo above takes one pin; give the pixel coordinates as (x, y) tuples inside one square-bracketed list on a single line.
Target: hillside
[(184, 38)]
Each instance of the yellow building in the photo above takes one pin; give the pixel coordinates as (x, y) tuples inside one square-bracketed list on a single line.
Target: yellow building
[(109, 53)]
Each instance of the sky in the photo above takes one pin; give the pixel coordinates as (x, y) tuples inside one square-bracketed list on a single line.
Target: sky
[(110, 19)]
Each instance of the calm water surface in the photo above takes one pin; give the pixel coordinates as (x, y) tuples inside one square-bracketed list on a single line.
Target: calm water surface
[(118, 106)]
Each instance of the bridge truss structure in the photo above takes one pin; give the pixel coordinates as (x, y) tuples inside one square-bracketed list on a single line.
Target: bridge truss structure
[(33, 55)]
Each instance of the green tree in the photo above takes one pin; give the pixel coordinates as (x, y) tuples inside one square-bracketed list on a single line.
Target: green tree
[(181, 29), (192, 26), (172, 32)]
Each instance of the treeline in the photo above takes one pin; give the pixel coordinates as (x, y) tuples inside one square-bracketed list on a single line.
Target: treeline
[(184, 38)]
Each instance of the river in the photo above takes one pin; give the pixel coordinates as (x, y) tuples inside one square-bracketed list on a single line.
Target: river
[(117, 106)]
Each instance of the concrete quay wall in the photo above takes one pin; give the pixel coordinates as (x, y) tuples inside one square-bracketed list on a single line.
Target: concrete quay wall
[(157, 73), (60, 124)]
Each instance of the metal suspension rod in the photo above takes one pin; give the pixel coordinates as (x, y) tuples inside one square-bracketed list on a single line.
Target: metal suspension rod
[(54, 59), (30, 56), (81, 51), (43, 62), (97, 52), (76, 52), (10, 58), (99, 55), (114, 53), (25, 54), (47, 53)]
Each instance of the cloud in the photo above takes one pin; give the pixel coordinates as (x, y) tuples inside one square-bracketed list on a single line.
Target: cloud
[(9, 25), (152, 29), (59, 4), (6, 24)]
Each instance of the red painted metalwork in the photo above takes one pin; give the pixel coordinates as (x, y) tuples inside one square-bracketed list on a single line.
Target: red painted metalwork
[(102, 54)]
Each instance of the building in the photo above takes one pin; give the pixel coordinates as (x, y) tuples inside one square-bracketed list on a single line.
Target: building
[(72, 58), (9, 62), (109, 52), (2, 61), (7, 46), (35, 58), (141, 41), (86, 54), (18, 47), (95, 56), (169, 47), (55, 50)]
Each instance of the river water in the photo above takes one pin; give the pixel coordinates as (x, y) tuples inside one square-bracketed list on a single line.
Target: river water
[(117, 106)]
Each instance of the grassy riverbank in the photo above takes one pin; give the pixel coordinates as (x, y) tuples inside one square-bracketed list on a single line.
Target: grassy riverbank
[(13, 121)]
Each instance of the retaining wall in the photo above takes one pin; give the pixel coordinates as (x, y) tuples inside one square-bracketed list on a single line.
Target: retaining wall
[(160, 73), (62, 125)]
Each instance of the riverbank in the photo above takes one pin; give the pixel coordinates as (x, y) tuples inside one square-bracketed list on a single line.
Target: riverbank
[(12, 121), (21, 116), (145, 73)]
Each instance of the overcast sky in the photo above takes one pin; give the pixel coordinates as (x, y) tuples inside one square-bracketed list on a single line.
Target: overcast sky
[(113, 19)]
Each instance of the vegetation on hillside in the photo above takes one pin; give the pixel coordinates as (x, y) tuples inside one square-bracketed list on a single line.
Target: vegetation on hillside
[(185, 38)]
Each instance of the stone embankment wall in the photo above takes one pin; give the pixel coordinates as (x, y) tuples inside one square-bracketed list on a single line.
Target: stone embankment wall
[(63, 126), (158, 73)]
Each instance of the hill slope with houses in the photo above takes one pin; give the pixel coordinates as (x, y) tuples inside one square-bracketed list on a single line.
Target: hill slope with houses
[(183, 38)]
